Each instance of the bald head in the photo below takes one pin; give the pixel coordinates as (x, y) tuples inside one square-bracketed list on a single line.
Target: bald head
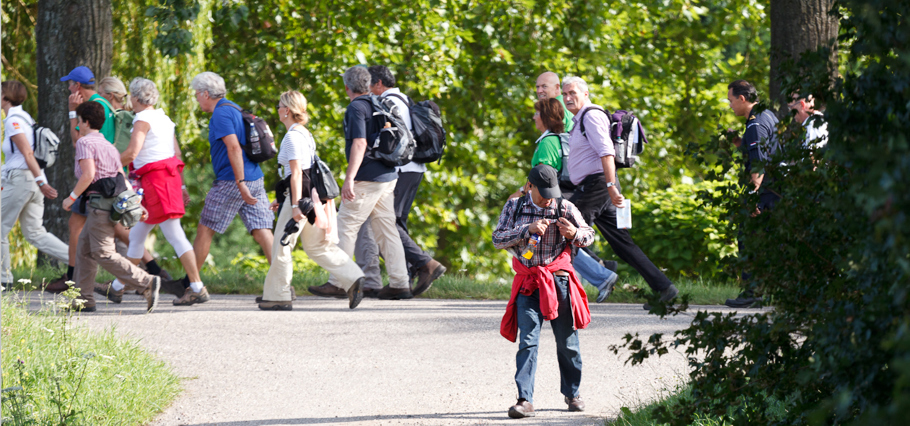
[(547, 86)]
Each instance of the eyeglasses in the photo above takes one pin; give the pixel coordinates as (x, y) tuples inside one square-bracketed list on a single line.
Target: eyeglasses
[(280, 106)]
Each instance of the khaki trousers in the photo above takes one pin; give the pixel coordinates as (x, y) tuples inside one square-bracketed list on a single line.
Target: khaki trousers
[(277, 287), (22, 201), (374, 200), (96, 247)]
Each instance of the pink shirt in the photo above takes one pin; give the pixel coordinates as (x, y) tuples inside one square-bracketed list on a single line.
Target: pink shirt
[(585, 152), (106, 156)]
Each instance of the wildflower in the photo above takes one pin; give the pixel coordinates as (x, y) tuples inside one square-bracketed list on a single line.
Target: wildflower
[(25, 281)]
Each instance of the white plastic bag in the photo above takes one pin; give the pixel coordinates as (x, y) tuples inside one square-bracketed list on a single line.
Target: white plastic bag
[(624, 215)]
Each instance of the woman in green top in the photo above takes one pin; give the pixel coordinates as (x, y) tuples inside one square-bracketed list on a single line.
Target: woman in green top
[(548, 117)]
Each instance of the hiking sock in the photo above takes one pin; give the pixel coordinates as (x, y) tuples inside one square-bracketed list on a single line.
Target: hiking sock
[(186, 281), (70, 270), (197, 287), (116, 285), (152, 267)]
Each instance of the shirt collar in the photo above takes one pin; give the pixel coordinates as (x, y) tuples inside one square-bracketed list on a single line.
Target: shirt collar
[(390, 91), (545, 134), (580, 113), (293, 126), (15, 109)]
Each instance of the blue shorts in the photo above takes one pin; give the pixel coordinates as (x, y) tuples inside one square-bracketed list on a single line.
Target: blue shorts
[(223, 202), (78, 208)]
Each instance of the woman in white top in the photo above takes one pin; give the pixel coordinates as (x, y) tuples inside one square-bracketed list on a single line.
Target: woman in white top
[(153, 154), (295, 159), (24, 184)]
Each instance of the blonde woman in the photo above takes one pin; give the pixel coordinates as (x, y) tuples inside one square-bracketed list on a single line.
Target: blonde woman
[(114, 91), (295, 158)]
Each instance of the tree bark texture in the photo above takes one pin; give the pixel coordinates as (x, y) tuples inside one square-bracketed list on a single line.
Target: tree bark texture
[(798, 26), (68, 33)]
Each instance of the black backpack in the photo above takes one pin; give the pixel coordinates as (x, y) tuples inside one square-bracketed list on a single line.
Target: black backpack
[(258, 144), (627, 133), (426, 120), (394, 145)]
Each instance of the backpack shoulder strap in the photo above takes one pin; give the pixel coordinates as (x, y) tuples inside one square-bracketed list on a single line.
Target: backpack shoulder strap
[(519, 205), (31, 123), (407, 100), (103, 101), (581, 120)]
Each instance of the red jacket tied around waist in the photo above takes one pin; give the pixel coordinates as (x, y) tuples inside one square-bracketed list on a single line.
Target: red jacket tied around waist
[(541, 278), (163, 190)]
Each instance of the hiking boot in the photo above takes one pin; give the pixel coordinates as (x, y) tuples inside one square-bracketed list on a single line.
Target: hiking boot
[(606, 289), (107, 290), (328, 290), (174, 287), (522, 409), (390, 293), (355, 293), (665, 296), (276, 306), (191, 297), (372, 293), (575, 404), (426, 274), (165, 278), (57, 286), (293, 296), (152, 293), (744, 302)]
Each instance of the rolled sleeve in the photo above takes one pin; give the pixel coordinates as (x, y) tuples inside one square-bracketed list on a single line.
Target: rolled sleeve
[(584, 233)]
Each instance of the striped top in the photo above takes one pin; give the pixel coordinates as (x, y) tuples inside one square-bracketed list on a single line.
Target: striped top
[(107, 159)]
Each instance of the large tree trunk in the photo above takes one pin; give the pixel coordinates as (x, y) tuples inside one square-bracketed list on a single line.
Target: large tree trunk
[(798, 26), (69, 33)]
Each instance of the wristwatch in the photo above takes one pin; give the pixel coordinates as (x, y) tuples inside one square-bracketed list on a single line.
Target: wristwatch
[(609, 184)]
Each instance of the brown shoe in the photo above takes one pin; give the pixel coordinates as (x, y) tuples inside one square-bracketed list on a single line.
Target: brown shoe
[(575, 404), (328, 290), (371, 293), (426, 274), (152, 293), (107, 290), (522, 409), (389, 293), (191, 297), (276, 306), (293, 296), (165, 278), (57, 286), (355, 293), (79, 307)]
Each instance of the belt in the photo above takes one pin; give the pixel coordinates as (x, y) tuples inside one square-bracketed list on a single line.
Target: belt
[(561, 273)]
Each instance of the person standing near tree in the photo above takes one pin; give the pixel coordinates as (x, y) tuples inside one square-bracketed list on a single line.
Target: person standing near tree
[(813, 121), (24, 183), (420, 263), (238, 186), (593, 171)]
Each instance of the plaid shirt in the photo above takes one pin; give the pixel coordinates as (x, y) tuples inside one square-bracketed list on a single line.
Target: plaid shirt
[(512, 231)]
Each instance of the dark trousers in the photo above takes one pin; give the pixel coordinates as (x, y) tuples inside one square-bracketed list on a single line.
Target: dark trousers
[(593, 201), (367, 252)]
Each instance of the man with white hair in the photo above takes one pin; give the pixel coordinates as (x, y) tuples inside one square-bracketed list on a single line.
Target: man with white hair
[(238, 186), (597, 196)]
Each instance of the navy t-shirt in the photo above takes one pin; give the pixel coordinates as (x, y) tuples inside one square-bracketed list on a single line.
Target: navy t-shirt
[(760, 141), (227, 120), (359, 123)]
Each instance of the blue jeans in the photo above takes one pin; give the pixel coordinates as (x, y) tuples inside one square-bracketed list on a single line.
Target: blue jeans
[(568, 352), (590, 270)]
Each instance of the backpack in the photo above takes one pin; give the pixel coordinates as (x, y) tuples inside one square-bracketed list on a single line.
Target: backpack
[(627, 133), (123, 126), (394, 145), (44, 143), (429, 134), (564, 179), (258, 143)]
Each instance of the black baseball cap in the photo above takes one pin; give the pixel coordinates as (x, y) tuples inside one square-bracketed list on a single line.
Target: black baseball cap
[(544, 177)]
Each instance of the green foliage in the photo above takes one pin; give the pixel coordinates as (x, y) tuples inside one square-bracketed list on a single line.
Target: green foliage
[(172, 16), (57, 374), (832, 256), (682, 233)]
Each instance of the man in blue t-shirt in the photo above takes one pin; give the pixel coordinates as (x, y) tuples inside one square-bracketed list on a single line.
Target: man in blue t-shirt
[(238, 186), (368, 192)]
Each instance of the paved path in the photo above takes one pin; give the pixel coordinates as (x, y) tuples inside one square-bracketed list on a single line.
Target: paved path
[(420, 362)]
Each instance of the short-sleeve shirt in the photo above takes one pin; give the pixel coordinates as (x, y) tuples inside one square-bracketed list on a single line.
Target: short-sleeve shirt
[(359, 123), (18, 122), (586, 151), (108, 128), (549, 151), (106, 156), (298, 144), (159, 141), (226, 120)]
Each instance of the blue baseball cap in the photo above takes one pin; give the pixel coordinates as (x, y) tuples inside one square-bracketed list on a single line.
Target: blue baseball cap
[(80, 75)]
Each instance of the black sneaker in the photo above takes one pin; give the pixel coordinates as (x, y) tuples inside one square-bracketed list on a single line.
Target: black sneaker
[(744, 302), (665, 296)]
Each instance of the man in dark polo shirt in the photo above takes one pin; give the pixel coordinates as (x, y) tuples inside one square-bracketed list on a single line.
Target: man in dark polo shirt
[(368, 192)]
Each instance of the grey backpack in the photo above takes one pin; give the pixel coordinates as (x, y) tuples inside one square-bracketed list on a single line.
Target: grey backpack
[(127, 208)]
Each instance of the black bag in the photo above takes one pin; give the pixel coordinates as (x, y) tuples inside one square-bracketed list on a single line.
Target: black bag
[(393, 145), (322, 179), (627, 133), (258, 143), (426, 123)]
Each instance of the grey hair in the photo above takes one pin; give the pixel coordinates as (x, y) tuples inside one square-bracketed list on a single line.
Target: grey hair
[(144, 91), (211, 83), (357, 78), (577, 81)]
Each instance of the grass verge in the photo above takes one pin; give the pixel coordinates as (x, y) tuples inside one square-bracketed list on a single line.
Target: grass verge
[(643, 416), (57, 373), (248, 279)]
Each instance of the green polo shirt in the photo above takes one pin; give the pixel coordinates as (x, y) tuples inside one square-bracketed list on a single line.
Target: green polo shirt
[(568, 117), (107, 130), (549, 152)]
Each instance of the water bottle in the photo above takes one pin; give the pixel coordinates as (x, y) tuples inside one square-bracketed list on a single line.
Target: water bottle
[(624, 215), (532, 244), (254, 139), (139, 193)]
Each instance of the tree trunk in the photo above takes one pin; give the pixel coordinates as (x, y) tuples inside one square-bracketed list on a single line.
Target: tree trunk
[(69, 33), (798, 26)]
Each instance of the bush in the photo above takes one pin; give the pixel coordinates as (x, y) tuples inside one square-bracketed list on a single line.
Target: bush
[(679, 232)]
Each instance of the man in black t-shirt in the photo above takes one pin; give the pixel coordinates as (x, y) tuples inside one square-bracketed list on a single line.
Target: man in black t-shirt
[(368, 192)]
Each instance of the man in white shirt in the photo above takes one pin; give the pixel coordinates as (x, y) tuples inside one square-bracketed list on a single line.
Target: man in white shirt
[(813, 121), (421, 264)]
